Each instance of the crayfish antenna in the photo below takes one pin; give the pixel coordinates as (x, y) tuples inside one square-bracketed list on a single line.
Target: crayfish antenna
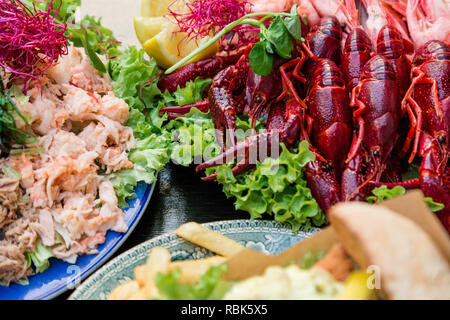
[(240, 168), (203, 106)]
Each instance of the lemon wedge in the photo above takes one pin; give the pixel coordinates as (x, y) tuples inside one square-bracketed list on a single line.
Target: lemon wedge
[(159, 35), (157, 8), (148, 27), (356, 287), (168, 47)]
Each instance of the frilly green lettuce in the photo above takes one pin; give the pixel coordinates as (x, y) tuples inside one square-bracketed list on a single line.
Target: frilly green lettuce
[(149, 157), (383, 193), (276, 187), (209, 287), (40, 257), (150, 154), (129, 70)]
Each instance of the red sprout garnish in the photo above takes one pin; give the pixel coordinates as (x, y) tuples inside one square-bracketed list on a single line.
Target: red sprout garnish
[(99, 43), (30, 40), (207, 17), (106, 51)]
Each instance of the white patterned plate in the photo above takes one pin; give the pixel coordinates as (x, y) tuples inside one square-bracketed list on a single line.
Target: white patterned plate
[(266, 236)]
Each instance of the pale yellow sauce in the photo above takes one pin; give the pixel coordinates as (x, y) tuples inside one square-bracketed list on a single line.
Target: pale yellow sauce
[(290, 283)]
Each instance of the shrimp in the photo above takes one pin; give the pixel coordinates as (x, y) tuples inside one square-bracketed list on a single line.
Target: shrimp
[(76, 68), (344, 10), (379, 15), (25, 168), (270, 5), (428, 20), (114, 108), (306, 9)]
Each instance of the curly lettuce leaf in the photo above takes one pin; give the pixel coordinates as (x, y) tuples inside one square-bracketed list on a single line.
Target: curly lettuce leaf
[(209, 287), (149, 157), (433, 205), (383, 193), (190, 93), (129, 70), (40, 257), (311, 258), (276, 187), (99, 38), (66, 8), (192, 137)]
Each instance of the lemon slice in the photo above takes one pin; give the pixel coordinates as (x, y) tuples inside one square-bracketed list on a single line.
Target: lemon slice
[(148, 27), (356, 287), (168, 47), (157, 8), (158, 34)]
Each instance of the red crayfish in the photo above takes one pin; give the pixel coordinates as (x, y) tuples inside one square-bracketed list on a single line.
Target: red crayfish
[(311, 97), (428, 104)]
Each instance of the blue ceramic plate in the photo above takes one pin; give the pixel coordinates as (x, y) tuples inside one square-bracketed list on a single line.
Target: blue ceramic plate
[(62, 276), (266, 236)]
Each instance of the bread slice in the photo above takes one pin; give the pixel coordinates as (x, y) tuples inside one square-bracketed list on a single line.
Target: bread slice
[(409, 264)]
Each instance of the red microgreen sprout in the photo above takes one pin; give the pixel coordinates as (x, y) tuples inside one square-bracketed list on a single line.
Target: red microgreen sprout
[(30, 40), (275, 38), (207, 17)]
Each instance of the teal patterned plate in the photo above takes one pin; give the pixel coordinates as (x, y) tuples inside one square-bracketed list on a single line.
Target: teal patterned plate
[(266, 236)]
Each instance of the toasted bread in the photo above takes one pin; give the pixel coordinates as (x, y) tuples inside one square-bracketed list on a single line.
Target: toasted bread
[(410, 265)]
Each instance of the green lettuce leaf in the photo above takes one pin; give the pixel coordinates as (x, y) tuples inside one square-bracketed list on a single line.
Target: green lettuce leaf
[(276, 187), (209, 287), (149, 157), (311, 258), (66, 8), (129, 70), (383, 193), (192, 92), (40, 257), (99, 38), (434, 206), (192, 136)]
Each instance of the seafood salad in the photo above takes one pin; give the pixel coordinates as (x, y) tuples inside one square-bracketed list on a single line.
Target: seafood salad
[(66, 143), (62, 196)]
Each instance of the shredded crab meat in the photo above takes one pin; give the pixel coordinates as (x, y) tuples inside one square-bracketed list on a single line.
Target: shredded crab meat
[(81, 126)]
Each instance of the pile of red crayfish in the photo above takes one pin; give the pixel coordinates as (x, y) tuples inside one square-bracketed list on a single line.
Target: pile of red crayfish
[(367, 112)]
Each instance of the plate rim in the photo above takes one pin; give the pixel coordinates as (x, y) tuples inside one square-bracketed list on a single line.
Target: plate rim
[(279, 227)]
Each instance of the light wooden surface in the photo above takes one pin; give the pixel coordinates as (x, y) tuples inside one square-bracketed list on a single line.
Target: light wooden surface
[(116, 15)]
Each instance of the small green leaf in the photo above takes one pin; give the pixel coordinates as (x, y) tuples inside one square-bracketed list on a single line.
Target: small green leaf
[(93, 58), (311, 258), (280, 38), (293, 25), (260, 60), (269, 48), (434, 206)]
